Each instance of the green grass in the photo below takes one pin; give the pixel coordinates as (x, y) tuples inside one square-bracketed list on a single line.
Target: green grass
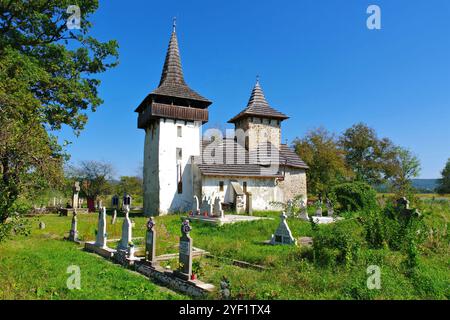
[(35, 267)]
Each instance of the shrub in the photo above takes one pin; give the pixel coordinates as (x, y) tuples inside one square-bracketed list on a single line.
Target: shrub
[(337, 244), (354, 196)]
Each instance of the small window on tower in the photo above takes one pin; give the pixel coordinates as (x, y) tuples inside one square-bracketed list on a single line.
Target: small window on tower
[(179, 131), (220, 185), (179, 154)]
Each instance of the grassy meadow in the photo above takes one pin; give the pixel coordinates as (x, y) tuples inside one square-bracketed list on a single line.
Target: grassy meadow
[(34, 267)]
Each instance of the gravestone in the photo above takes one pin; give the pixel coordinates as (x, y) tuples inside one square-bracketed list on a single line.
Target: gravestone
[(101, 229), (195, 207), (185, 254), (303, 210), (73, 234), (75, 190), (207, 207), (405, 210), (319, 208), (114, 217), (289, 207), (41, 225), (283, 234), (225, 291), (330, 209), (150, 242), (126, 201), (115, 201), (126, 231), (217, 208)]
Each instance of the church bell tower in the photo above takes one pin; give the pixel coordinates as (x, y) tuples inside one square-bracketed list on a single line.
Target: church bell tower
[(172, 116)]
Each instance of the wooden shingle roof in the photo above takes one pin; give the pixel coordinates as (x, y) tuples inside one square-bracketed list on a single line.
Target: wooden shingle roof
[(172, 83), (258, 106), (215, 161)]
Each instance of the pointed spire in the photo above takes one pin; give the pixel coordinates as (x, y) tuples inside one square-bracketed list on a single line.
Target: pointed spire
[(172, 71), (257, 97), (258, 106)]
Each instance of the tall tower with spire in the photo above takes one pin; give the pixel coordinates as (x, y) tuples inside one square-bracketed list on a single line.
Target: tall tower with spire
[(171, 116)]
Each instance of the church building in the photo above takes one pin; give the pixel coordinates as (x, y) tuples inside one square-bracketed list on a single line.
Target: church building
[(249, 169)]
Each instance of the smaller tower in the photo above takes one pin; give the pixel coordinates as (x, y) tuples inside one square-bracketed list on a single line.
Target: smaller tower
[(260, 122)]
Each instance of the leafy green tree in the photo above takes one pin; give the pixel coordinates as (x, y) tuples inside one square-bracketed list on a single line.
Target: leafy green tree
[(326, 161), (130, 185), (444, 182), (47, 80), (405, 167), (369, 157), (95, 179)]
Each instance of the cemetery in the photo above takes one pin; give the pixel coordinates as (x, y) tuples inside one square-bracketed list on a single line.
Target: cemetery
[(251, 211)]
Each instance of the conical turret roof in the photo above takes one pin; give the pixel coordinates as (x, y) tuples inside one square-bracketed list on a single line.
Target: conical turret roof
[(258, 106), (172, 82)]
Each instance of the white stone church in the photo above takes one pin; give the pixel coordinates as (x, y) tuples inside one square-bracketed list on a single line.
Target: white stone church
[(248, 170)]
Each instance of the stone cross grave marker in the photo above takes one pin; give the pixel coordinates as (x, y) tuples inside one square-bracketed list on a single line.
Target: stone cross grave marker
[(283, 234), (126, 202), (101, 229), (330, 209), (75, 191), (150, 242), (303, 210), (73, 234), (185, 254), (126, 231), (289, 207)]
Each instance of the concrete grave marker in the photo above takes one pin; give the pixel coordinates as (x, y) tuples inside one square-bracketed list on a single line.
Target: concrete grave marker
[(75, 192), (303, 210), (185, 254), (195, 207), (319, 208), (217, 208), (126, 231), (73, 234), (150, 242), (330, 209), (114, 217), (283, 234), (101, 229)]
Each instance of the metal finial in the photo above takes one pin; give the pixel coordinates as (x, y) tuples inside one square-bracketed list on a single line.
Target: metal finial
[(174, 24), (257, 78)]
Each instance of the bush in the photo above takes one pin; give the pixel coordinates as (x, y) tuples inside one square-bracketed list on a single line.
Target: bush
[(337, 244), (354, 196)]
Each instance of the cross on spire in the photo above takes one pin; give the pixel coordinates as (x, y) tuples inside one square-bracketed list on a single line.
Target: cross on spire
[(174, 23)]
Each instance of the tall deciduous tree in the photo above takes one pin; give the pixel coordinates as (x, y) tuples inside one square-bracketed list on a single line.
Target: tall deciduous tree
[(444, 182), (405, 167), (370, 158), (47, 80), (326, 161)]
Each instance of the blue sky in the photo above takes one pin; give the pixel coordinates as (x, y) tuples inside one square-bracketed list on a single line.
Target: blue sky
[(316, 59)]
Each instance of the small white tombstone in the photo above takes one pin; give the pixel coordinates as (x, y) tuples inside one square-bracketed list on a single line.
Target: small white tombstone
[(283, 234), (303, 211), (73, 234), (289, 207), (217, 209), (114, 217), (126, 231), (101, 230), (330, 209), (195, 207)]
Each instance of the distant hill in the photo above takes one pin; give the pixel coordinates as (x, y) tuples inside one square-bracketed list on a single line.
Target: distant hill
[(421, 185), (425, 185)]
